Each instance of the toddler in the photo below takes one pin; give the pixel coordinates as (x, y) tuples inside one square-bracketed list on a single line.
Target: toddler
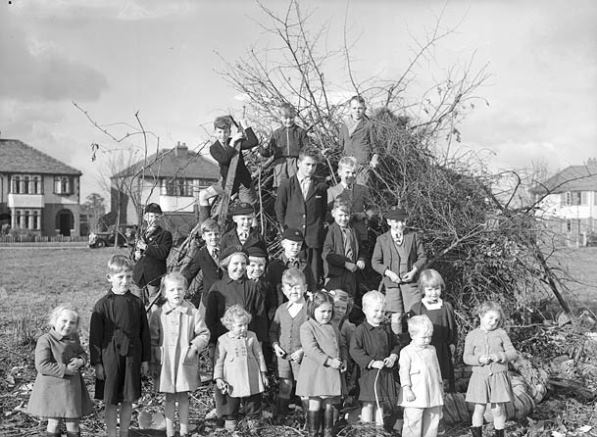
[(489, 349), (239, 370), (119, 344), (421, 380), (321, 376), (59, 391), (178, 335), (375, 348)]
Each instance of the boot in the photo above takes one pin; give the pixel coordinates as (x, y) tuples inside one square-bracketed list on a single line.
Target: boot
[(305, 405), (73, 434), (282, 407), (53, 434), (499, 433), (313, 423), (476, 431), (330, 416)]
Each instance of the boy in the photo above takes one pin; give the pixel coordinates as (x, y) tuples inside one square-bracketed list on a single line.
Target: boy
[(222, 150), (284, 334), (356, 195), (341, 252), (243, 234), (292, 256), (285, 145), (119, 344), (301, 204), (356, 138), (398, 256), (206, 261), (151, 251)]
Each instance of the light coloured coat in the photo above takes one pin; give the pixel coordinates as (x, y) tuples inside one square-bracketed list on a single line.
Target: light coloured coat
[(174, 330)]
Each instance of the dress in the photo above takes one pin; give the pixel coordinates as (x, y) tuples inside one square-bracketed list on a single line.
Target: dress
[(372, 343), (444, 332), (419, 368), (173, 331), (119, 340), (320, 342), (55, 394), (489, 382)]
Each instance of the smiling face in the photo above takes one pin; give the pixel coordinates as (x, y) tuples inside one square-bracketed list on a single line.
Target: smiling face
[(294, 291), (121, 281), (323, 313), (152, 219), (291, 248), (174, 292), (237, 266), (341, 216), (374, 313), (490, 320), (222, 134), (432, 293), (66, 323), (256, 267), (397, 226), (211, 238), (243, 222), (347, 175), (307, 166), (239, 328)]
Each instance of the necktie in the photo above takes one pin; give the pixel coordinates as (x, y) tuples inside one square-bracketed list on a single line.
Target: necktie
[(293, 262), (215, 254), (398, 238), (305, 186), (243, 237), (347, 243)]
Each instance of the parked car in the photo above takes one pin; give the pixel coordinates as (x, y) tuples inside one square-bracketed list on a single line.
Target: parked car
[(125, 237)]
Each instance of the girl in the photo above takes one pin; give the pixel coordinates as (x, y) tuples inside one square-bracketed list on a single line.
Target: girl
[(320, 375), (178, 335), (441, 314), (421, 380), (239, 370), (375, 348), (59, 391), (488, 349)]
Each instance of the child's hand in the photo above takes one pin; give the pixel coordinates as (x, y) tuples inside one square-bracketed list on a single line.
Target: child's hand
[(374, 161), (265, 380), (408, 394), (351, 267), (390, 361), (99, 372), (72, 368), (343, 366), (495, 358), (222, 386), (393, 276), (78, 362), (409, 276), (144, 368), (453, 352), (280, 353), (484, 359), (334, 363), (377, 364), (360, 264), (236, 137), (297, 356)]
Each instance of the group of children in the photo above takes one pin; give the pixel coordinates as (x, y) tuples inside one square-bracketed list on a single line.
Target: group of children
[(257, 312)]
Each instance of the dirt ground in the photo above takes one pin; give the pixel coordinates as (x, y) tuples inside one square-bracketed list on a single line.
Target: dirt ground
[(32, 281)]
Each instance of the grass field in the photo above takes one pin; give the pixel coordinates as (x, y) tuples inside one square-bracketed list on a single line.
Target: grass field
[(34, 280)]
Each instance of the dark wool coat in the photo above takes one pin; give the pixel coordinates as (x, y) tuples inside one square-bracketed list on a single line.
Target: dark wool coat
[(223, 155), (152, 265), (307, 215), (56, 394), (385, 256), (359, 199), (119, 340), (276, 268), (360, 143), (204, 263), (286, 142), (334, 259), (255, 239)]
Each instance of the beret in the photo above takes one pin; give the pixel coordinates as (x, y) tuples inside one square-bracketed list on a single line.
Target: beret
[(293, 235)]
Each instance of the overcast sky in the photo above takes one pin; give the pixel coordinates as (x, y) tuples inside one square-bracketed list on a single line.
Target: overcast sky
[(116, 57)]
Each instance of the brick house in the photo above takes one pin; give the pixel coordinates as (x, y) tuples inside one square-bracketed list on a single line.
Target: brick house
[(570, 206), (38, 194)]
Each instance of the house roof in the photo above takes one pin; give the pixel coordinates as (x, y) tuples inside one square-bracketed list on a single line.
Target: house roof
[(176, 162), (18, 157), (573, 178)]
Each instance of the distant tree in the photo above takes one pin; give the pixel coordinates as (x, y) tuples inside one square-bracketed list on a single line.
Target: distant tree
[(94, 208)]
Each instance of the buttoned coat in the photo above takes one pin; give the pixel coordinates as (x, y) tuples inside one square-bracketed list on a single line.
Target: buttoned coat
[(419, 369), (254, 239), (385, 256), (223, 154), (320, 342), (334, 259), (359, 199), (152, 264), (56, 394), (210, 271), (305, 214), (174, 330), (360, 143), (240, 362)]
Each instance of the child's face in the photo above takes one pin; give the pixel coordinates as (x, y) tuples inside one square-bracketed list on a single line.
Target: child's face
[(357, 109), (432, 293), (66, 323), (347, 174), (307, 166), (294, 291), (152, 218), (291, 248), (211, 238), (243, 222), (421, 339), (341, 216), (174, 292), (323, 313), (121, 281), (222, 134), (397, 225), (287, 119), (256, 267), (374, 312), (237, 266), (490, 320), (239, 328)]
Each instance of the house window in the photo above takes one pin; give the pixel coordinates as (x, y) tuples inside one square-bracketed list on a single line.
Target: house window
[(28, 219), (25, 184), (63, 185), (573, 198), (179, 187)]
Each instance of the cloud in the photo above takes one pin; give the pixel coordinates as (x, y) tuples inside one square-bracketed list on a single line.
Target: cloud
[(34, 69)]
